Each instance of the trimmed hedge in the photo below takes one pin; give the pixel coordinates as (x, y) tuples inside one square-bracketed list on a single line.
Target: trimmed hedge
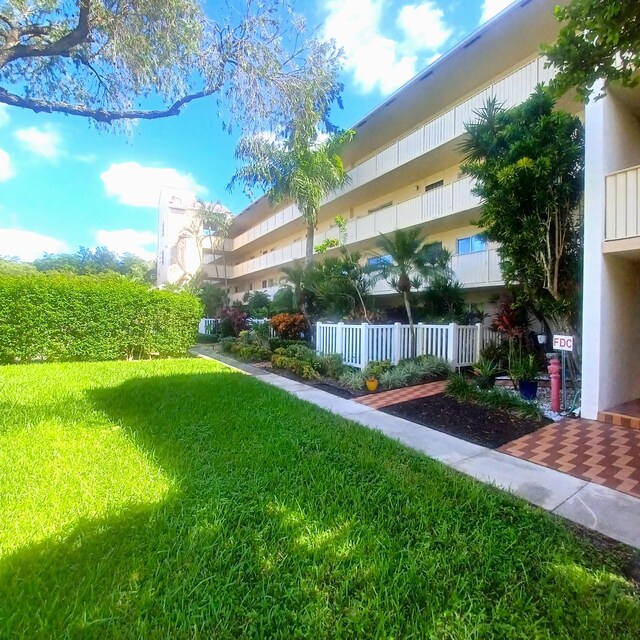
[(66, 317)]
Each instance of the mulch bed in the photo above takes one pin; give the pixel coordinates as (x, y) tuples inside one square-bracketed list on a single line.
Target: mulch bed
[(487, 427)]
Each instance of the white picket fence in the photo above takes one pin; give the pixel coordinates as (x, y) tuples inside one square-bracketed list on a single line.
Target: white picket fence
[(207, 325), (361, 343)]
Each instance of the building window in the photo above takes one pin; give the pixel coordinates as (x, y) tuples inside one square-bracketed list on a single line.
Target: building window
[(386, 205), (237, 289), (471, 244), (251, 286), (378, 261), (264, 284), (434, 185)]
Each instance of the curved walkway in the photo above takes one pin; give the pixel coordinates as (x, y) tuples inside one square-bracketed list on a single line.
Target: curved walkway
[(597, 507)]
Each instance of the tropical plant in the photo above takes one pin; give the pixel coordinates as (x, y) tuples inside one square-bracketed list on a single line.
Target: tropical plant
[(258, 304), (528, 164), (301, 168), (215, 224), (283, 301), (598, 40), (412, 262), (294, 278), (486, 372), (444, 299), (214, 300), (523, 368), (353, 380), (100, 59), (289, 326)]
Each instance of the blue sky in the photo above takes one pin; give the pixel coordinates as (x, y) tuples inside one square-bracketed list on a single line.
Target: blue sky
[(64, 184)]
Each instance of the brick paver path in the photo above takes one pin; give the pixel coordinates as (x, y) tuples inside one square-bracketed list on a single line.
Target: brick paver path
[(396, 396), (601, 453)]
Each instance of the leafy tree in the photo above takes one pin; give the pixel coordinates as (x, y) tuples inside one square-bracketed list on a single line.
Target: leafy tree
[(528, 163), (445, 299), (258, 304), (412, 263), (99, 59), (99, 260), (598, 40), (214, 299), (301, 168)]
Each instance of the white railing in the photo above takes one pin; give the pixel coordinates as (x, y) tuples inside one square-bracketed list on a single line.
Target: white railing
[(622, 213), (480, 268), (451, 198), (511, 90), (360, 344)]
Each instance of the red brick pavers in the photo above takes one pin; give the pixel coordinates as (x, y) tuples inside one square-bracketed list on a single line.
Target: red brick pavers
[(396, 396), (601, 453)]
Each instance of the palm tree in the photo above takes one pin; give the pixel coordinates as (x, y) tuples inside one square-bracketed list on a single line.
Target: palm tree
[(216, 224), (294, 278), (301, 168), (412, 263)]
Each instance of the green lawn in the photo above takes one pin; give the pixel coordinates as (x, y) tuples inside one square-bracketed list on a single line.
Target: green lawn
[(179, 499)]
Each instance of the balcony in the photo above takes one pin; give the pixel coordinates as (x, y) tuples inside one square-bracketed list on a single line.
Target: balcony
[(444, 201), (510, 90), (622, 211), (472, 270)]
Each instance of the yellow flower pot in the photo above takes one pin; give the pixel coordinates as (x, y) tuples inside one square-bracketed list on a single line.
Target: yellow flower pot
[(372, 384)]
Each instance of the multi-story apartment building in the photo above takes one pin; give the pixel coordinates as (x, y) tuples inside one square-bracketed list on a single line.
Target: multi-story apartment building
[(404, 165)]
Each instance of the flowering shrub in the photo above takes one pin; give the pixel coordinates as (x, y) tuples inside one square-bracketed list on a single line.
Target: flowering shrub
[(289, 326), (232, 322)]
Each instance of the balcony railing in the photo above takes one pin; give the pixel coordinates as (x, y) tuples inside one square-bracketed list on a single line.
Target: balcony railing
[(510, 91), (478, 269), (451, 198), (622, 212)]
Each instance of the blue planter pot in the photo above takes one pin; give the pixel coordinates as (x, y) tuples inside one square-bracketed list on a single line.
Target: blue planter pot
[(528, 389)]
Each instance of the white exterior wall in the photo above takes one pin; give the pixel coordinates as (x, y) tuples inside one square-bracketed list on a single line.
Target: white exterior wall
[(611, 305)]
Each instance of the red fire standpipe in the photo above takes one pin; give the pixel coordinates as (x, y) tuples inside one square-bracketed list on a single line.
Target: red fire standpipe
[(554, 373)]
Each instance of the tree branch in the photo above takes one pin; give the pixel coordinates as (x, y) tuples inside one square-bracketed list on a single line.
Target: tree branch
[(60, 47), (106, 116)]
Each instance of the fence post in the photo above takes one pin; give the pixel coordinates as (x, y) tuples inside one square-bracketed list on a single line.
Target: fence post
[(420, 339), (319, 345), (452, 343), (479, 340), (364, 345), (396, 346), (340, 338)]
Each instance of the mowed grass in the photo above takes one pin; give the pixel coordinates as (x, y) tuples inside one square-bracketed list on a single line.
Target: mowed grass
[(180, 499)]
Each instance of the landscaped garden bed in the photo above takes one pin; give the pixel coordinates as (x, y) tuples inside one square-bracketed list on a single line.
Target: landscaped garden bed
[(488, 427)]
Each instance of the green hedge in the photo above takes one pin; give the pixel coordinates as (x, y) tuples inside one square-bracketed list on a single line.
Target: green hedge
[(65, 317)]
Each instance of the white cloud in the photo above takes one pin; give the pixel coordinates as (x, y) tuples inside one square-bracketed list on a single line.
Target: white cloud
[(139, 186), (41, 142), (28, 245), (140, 243), (491, 8), (6, 168), (4, 115), (375, 59)]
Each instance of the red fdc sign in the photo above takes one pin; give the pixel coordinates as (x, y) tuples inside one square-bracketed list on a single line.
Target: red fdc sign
[(563, 343)]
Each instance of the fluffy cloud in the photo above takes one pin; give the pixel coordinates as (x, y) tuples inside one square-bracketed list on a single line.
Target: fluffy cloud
[(41, 142), (140, 243), (377, 60), (28, 245), (4, 115), (491, 8), (139, 186), (6, 168)]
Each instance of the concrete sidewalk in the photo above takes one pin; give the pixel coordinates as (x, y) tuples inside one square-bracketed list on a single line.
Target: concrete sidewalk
[(610, 512)]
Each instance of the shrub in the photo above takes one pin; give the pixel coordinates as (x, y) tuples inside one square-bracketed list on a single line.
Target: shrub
[(278, 343), (299, 367), (353, 380), (433, 367), (207, 338), (496, 398), (289, 326), (228, 344), (330, 366), (57, 316), (253, 353), (232, 322), (393, 378), (377, 368)]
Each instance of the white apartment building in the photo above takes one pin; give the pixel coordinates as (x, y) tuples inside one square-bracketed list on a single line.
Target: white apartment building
[(404, 165)]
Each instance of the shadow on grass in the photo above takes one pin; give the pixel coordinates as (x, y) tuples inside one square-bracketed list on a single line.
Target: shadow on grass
[(285, 521)]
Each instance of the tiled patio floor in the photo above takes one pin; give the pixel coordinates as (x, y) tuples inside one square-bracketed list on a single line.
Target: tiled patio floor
[(602, 453), (396, 396)]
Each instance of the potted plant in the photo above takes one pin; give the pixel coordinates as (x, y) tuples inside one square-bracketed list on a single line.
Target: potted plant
[(486, 372), (372, 383), (524, 372)]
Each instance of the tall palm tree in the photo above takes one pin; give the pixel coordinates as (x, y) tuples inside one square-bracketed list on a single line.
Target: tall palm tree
[(301, 168), (412, 263)]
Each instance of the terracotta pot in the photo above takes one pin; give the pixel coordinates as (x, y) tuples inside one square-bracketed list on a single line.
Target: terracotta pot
[(372, 384)]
